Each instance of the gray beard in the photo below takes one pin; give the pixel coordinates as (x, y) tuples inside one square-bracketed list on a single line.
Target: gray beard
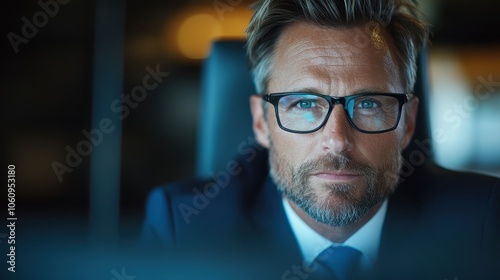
[(377, 186)]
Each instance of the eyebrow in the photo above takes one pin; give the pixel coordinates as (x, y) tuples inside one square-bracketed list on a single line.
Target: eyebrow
[(370, 90), (358, 91)]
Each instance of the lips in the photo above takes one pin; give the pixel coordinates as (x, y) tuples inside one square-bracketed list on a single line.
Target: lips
[(344, 175)]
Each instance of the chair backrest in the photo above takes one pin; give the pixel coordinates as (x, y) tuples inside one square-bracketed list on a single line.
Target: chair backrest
[(225, 123)]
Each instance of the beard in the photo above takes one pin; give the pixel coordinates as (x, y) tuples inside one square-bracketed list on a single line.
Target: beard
[(335, 204)]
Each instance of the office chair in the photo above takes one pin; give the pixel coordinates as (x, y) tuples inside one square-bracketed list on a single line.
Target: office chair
[(225, 122)]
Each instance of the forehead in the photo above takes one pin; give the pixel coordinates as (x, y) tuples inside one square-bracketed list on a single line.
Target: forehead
[(324, 57)]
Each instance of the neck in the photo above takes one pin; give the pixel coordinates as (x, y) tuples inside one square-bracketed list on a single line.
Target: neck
[(334, 234)]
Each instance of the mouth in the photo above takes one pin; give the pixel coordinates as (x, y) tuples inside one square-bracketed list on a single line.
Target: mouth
[(337, 176)]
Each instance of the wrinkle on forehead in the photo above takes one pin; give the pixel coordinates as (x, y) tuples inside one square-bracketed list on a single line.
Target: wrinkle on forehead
[(325, 51), (301, 50), (329, 51)]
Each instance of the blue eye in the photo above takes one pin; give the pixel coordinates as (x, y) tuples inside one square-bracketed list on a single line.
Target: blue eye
[(305, 104), (367, 104)]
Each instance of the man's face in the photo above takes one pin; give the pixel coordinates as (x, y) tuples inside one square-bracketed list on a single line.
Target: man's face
[(336, 174)]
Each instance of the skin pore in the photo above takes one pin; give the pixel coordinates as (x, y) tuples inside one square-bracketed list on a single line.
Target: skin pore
[(336, 178)]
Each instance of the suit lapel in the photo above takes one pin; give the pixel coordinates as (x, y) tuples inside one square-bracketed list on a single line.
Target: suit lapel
[(404, 249), (272, 227)]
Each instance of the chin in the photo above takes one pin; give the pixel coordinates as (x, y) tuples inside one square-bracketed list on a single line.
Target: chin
[(338, 207)]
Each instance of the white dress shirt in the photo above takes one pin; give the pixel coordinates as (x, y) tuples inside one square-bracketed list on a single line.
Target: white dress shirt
[(311, 244)]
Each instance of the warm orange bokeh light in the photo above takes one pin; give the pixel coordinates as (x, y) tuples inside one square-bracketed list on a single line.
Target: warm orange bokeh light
[(192, 32), (196, 33)]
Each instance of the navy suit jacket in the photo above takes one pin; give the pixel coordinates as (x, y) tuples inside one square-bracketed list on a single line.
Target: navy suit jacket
[(439, 224)]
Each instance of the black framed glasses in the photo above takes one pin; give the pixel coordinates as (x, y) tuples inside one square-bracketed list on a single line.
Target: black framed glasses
[(301, 112)]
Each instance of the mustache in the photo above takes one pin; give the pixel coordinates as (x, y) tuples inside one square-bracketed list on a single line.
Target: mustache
[(335, 163)]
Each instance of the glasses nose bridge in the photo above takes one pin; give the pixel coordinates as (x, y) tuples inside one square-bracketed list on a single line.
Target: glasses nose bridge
[(336, 100)]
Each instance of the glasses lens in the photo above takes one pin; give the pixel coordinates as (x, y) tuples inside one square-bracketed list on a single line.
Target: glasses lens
[(374, 112), (302, 112), (369, 113)]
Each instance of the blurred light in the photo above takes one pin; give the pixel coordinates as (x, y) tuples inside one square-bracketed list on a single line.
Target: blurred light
[(235, 26), (196, 33), (464, 108), (449, 89), (190, 33)]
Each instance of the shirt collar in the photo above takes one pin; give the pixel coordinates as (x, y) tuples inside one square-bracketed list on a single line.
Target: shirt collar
[(311, 243)]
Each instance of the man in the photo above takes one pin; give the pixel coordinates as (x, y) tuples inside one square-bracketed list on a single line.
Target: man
[(335, 112)]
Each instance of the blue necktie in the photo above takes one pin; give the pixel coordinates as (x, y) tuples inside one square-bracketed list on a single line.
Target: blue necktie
[(340, 262)]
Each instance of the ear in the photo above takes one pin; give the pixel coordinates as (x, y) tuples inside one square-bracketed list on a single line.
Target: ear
[(410, 121), (260, 126)]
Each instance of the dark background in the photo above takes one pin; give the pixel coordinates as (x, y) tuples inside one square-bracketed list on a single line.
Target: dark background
[(47, 96)]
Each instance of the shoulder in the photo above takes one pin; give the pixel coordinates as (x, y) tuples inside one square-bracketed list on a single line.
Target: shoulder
[(447, 219), (431, 182), (440, 195), (178, 212), (465, 188), (460, 207), (239, 177), (460, 204), (464, 201)]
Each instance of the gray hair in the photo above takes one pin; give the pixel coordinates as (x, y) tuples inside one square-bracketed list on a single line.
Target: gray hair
[(399, 17)]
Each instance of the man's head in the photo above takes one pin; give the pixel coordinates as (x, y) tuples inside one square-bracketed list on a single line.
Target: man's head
[(335, 158)]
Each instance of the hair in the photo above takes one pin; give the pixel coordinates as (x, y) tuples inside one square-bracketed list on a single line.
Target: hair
[(400, 18)]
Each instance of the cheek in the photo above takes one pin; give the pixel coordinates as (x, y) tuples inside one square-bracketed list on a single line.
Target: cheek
[(292, 148), (378, 149)]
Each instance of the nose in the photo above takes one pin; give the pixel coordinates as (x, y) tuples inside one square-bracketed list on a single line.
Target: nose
[(337, 133)]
